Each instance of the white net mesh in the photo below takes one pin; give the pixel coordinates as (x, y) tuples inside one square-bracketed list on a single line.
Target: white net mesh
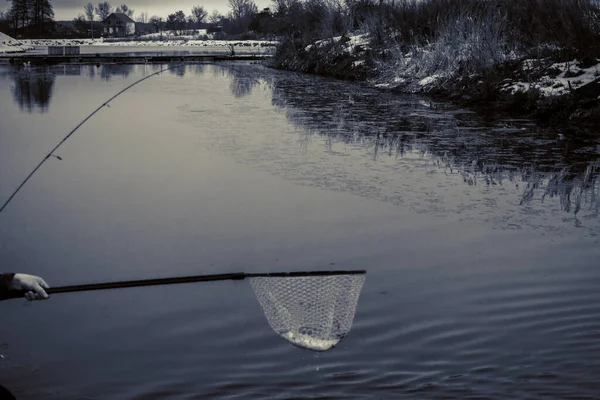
[(314, 312)]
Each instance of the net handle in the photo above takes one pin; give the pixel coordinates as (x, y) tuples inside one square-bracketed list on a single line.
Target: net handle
[(185, 279)]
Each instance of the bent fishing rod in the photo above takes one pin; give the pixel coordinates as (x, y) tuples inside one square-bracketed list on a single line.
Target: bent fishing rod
[(158, 281), (185, 279), (51, 153)]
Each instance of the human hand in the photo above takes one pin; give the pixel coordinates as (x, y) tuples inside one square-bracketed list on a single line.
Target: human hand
[(32, 285)]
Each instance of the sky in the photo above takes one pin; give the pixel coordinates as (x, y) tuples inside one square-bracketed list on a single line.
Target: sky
[(68, 9)]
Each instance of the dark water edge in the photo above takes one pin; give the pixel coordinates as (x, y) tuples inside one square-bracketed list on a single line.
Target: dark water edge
[(479, 237), (482, 92)]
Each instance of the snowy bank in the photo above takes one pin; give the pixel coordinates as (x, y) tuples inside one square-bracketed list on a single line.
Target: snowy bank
[(508, 81), (10, 45), (147, 43), (8, 49), (342, 57), (558, 79)]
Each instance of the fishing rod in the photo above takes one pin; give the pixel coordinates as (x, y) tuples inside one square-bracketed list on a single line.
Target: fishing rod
[(51, 153), (185, 279), (308, 314)]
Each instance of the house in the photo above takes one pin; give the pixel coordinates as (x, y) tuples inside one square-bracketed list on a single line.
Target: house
[(214, 29), (117, 24)]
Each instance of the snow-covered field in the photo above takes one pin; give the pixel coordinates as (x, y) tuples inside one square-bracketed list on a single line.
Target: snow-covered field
[(8, 49), (10, 45), (174, 35), (148, 43)]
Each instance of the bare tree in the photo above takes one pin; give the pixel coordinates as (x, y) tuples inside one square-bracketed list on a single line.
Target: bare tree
[(215, 17), (124, 9), (157, 23), (241, 14), (199, 14), (31, 15), (103, 10), (242, 8), (90, 14), (285, 8), (143, 18), (176, 22), (80, 23)]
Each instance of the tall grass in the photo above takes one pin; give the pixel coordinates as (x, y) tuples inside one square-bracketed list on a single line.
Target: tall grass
[(570, 26), (473, 41), (449, 39)]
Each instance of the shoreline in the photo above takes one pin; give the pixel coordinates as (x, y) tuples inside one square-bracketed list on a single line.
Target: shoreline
[(553, 93)]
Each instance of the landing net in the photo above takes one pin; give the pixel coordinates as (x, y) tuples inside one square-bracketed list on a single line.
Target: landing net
[(313, 312)]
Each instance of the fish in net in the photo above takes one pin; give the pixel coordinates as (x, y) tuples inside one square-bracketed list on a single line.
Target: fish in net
[(312, 312)]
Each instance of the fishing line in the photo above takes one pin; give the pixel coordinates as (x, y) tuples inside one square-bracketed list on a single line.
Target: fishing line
[(51, 153)]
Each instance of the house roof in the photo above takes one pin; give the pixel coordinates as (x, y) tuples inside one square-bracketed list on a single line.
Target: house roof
[(121, 17)]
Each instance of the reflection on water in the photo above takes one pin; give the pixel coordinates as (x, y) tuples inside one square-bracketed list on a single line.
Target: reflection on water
[(540, 163), (177, 69), (454, 308), (32, 88), (107, 71)]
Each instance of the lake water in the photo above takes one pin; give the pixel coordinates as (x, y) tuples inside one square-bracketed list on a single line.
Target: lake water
[(479, 237)]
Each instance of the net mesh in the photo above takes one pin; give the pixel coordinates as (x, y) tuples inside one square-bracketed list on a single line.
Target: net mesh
[(313, 312)]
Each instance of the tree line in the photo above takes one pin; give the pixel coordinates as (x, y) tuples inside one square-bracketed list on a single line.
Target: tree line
[(241, 14), (28, 17), (31, 18)]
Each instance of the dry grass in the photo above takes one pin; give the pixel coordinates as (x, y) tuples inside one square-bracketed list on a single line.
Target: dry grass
[(466, 37)]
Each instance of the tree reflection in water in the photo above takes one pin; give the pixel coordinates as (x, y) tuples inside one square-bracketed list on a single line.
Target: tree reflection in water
[(177, 69), (242, 79), (107, 71), (32, 87), (480, 150)]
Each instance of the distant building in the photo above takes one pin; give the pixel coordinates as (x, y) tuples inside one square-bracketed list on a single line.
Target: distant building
[(117, 24), (214, 29)]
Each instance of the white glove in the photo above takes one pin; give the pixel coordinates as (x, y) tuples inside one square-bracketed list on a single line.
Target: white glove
[(32, 285)]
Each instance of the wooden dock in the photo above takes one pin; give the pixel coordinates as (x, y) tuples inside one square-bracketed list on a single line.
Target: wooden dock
[(43, 59)]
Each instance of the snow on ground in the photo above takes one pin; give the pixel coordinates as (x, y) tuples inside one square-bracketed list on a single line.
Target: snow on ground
[(10, 45), (350, 43), (14, 49), (5, 38), (358, 40), (561, 78), (429, 80), (153, 43), (174, 35)]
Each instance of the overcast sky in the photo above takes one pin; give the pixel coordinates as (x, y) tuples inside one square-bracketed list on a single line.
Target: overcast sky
[(68, 9)]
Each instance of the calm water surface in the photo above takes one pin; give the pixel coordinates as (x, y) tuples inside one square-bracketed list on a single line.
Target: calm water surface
[(479, 235)]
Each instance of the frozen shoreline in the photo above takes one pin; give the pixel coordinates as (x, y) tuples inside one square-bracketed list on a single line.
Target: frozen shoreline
[(4, 49), (11, 46), (146, 43), (544, 88)]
